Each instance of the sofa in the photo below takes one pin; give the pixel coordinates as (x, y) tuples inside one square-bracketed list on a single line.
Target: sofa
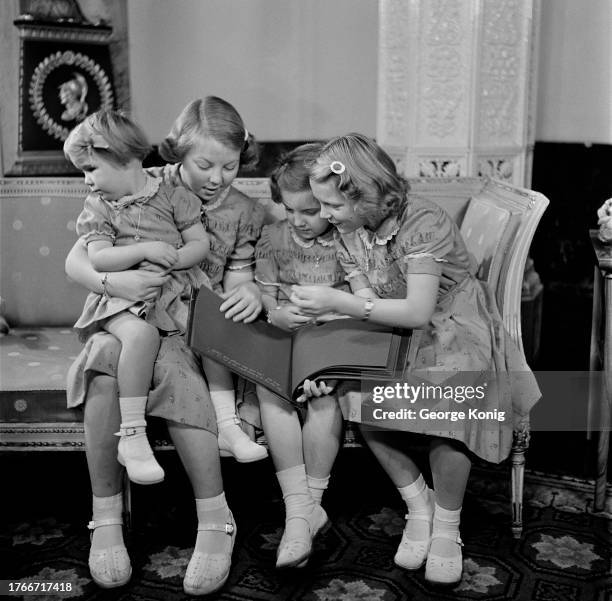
[(39, 303)]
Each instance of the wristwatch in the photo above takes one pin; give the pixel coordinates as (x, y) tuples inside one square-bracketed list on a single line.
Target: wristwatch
[(269, 313)]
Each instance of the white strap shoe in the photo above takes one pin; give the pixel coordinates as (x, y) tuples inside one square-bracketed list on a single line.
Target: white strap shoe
[(294, 552), (445, 571), (109, 567), (134, 452), (411, 554), (208, 572)]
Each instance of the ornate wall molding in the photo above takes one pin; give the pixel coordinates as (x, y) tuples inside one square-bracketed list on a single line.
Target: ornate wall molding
[(457, 86)]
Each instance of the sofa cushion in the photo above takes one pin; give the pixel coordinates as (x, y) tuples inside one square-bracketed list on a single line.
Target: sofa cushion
[(33, 367)]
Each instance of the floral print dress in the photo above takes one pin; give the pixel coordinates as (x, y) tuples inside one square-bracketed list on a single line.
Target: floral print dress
[(464, 343)]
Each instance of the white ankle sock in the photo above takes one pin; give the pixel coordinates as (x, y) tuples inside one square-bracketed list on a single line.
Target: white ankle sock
[(224, 402), (416, 497), (104, 508), (317, 487), (132, 408), (213, 510), (447, 521), (298, 501)]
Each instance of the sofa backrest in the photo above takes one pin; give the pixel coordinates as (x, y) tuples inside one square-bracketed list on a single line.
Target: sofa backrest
[(37, 229)]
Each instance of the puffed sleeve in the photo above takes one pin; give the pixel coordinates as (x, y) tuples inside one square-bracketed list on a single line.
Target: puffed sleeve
[(266, 265), (354, 274), (424, 240), (94, 223), (186, 207), (249, 228)]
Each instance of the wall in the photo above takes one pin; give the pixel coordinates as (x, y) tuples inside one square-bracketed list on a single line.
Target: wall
[(575, 73), (301, 69)]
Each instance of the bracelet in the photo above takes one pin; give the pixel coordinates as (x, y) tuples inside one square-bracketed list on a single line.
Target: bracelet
[(269, 313), (367, 309), (104, 284)]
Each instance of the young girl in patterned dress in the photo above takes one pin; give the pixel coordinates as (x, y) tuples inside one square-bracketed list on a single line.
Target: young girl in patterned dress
[(408, 267), (298, 250), (208, 142), (130, 217)]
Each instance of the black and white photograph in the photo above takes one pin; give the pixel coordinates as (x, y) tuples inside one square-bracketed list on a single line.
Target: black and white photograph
[(306, 300)]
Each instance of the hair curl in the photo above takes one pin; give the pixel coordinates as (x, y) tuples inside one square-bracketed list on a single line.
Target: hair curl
[(214, 117), (370, 178)]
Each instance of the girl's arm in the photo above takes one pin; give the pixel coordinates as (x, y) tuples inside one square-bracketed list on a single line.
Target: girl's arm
[(106, 257), (197, 245), (134, 285), (414, 311)]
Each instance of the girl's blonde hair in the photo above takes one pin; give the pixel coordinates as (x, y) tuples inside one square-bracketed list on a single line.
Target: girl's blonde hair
[(369, 177), (111, 135), (292, 172), (212, 117)]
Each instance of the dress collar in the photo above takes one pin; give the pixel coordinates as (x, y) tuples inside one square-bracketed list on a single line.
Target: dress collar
[(150, 188), (386, 230)]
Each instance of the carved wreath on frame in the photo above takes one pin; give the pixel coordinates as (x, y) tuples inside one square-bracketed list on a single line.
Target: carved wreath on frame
[(72, 91)]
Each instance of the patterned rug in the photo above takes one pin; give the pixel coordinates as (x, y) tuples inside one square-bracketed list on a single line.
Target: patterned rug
[(564, 553)]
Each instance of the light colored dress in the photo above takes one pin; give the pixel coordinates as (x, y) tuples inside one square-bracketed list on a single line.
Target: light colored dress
[(465, 338), (179, 392), (159, 212)]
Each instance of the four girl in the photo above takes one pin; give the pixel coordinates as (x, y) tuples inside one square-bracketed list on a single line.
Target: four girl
[(407, 267)]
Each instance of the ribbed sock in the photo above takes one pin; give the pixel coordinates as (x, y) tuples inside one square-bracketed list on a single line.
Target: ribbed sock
[(213, 510), (104, 508), (417, 499), (446, 520), (317, 487)]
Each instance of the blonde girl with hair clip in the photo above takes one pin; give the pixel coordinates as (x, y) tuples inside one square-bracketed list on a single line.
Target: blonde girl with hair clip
[(303, 444), (209, 141), (130, 217), (408, 267)]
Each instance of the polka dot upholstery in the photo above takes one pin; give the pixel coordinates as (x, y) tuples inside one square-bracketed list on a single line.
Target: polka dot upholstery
[(37, 229)]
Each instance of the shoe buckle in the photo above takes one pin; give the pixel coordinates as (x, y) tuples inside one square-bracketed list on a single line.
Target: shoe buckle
[(229, 528), (91, 525), (129, 431)]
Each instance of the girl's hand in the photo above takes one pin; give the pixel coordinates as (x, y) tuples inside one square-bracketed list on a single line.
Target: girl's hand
[(311, 388), (135, 285), (314, 300), (289, 317), (162, 253), (242, 303)]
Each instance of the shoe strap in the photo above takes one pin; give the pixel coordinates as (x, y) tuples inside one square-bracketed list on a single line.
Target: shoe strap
[(131, 430), (419, 515), (93, 524), (454, 536), (227, 527)]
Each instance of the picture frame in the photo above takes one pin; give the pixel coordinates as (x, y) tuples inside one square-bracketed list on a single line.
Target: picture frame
[(65, 73)]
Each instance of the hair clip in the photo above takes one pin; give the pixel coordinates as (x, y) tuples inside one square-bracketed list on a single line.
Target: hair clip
[(337, 167), (246, 134)]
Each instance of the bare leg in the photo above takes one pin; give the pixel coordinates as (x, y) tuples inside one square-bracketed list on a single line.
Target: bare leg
[(108, 559), (199, 454), (210, 564), (450, 468), (386, 446), (101, 419), (321, 435), (282, 428), (139, 347), (303, 517)]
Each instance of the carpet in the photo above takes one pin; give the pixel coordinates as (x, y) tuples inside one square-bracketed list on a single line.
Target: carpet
[(564, 553)]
